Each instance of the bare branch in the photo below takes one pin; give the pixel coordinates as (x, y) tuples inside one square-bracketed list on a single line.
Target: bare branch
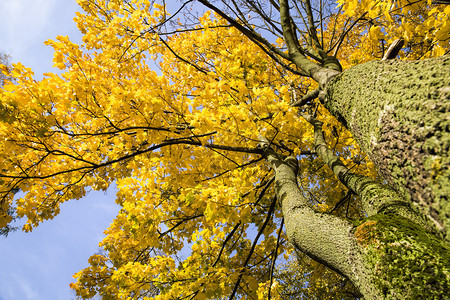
[(393, 49)]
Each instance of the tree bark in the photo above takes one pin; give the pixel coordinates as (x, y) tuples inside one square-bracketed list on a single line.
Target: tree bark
[(387, 255), (375, 197), (398, 111), (325, 238), (401, 256)]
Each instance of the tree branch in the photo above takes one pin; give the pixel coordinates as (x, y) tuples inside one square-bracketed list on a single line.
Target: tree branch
[(178, 141), (342, 37), (325, 238), (320, 74), (311, 95), (253, 36), (229, 236), (252, 249), (274, 258), (393, 49), (273, 52)]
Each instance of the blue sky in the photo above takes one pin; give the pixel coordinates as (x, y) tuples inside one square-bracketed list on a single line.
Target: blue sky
[(39, 265)]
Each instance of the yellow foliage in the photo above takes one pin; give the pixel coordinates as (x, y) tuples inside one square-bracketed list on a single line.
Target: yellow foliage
[(174, 121), (424, 27)]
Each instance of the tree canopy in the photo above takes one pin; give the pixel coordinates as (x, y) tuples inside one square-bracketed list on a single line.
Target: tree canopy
[(176, 103)]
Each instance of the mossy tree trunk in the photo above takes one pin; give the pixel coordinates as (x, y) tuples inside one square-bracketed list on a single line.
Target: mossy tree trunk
[(391, 254), (399, 113)]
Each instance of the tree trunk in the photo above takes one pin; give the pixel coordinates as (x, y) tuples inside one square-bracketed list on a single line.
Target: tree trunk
[(386, 255), (398, 111)]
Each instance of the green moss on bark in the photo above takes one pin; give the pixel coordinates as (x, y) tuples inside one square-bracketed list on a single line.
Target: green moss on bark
[(407, 261), (398, 111)]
